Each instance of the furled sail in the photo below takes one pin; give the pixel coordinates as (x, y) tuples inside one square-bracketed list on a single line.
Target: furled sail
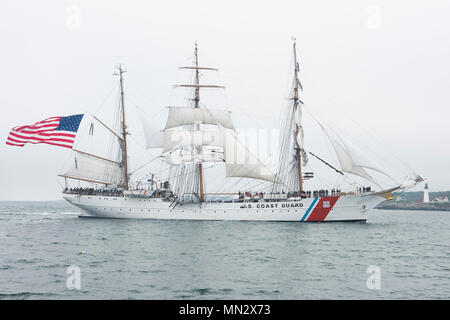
[(411, 181), (300, 137), (350, 159), (180, 116), (175, 139), (240, 162), (94, 169), (298, 115)]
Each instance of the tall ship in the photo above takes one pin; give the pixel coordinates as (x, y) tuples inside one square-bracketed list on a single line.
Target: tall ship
[(195, 138)]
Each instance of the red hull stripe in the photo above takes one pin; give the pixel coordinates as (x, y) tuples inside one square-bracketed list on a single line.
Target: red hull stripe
[(322, 209)]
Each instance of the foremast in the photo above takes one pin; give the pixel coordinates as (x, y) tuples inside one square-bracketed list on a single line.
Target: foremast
[(297, 87), (292, 155)]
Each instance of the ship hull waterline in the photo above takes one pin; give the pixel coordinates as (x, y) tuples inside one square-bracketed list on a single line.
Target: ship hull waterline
[(351, 208)]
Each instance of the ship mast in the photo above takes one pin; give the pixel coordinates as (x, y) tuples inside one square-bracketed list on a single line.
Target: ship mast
[(197, 101), (197, 86), (297, 126), (124, 129)]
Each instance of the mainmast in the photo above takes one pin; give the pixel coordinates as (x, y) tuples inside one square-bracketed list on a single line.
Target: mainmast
[(124, 129), (297, 125), (197, 105), (197, 87)]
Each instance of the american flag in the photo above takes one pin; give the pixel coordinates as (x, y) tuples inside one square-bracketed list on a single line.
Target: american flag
[(57, 131)]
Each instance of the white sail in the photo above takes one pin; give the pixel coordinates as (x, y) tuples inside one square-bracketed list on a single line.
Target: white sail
[(178, 159), (175, 139), (241, 163), (350, 159), (154, 137), (411, 181), (180, 116), (358, 158), (92, 169)]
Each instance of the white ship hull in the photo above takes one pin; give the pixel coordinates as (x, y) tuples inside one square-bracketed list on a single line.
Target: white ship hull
[(333, 208)]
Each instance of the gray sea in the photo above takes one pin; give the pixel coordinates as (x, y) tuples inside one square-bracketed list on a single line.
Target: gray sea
[(407, 255)]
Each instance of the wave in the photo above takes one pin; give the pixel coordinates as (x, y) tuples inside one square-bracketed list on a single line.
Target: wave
[(40, 213), (25, 295)]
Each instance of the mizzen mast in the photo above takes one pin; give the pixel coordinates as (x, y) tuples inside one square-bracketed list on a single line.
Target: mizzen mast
[(120, 72)]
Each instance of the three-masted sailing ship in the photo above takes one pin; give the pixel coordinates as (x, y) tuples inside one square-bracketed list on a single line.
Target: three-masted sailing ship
[(194, 136)]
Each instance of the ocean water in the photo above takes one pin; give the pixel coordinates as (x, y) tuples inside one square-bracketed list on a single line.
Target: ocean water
[(151, 259)]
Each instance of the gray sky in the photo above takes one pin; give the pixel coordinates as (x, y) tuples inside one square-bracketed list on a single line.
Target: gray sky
[(383, 64)]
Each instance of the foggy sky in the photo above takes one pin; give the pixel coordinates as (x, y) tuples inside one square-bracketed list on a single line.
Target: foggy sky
[(384, 63)]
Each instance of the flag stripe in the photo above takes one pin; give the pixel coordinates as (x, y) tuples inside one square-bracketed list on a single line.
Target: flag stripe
[(33, 130), (45, 139), (65, 143), (36, 136), (57, 144), (13, 144), (40, 136), (14, 140), (45, 134), (45, 125)]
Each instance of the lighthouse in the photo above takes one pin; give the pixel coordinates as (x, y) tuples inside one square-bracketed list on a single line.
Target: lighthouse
[(426, 196)]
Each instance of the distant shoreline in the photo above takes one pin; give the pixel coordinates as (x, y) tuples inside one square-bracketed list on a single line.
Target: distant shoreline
[(431, 206)]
